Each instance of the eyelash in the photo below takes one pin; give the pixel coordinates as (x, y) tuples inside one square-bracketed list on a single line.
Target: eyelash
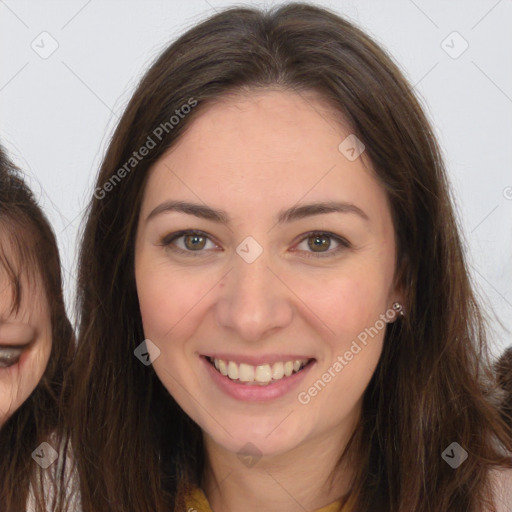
[(169, 239)]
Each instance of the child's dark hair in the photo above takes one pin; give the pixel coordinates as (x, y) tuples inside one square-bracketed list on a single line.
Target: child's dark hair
[(32, 258), (504, 375)]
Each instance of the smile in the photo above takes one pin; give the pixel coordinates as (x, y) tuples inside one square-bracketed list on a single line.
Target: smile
[(261, 375)]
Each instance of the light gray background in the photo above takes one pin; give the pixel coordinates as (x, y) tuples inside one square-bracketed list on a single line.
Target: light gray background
[(57, 113)]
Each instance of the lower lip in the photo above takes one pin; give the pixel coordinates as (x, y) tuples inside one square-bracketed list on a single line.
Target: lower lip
[(257, 393)]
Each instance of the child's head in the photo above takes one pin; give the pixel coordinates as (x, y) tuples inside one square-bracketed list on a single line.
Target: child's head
[(25, 316), (35, 333)]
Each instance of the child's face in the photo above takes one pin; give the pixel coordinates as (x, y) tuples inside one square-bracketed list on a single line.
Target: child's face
[(25, 344), (221, 298)]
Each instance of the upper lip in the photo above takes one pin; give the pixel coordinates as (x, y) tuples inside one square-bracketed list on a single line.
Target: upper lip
[(258, 360)]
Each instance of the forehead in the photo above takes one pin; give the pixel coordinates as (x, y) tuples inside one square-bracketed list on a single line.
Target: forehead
[(21, 290), (272, 147)]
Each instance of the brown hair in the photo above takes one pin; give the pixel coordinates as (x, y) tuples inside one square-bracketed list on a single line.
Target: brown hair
[(504, 375), (433, 381), (33, 259)]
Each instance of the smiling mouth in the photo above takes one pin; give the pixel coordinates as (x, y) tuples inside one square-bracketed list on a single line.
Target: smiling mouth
[(261, 375), (10, 355)]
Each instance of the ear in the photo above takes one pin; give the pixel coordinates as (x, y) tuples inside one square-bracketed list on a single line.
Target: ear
[(397, 293), (396, 308)]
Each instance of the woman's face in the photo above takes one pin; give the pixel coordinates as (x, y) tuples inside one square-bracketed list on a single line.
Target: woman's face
[(270, 279), (25, 344)]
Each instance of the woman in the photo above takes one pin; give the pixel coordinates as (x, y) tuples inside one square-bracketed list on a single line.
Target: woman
[(35, 348), (272, 229)]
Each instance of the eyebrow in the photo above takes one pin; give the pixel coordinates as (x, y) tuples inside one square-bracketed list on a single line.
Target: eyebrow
[(285, 216)]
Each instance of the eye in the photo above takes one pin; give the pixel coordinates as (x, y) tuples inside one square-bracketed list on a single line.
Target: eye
[(189, 242), (319, 243), (192, 243)]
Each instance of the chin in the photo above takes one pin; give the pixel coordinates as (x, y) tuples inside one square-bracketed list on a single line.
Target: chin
[(268, 438)]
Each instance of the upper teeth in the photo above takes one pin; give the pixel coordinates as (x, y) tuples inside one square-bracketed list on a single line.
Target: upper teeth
[(263, 373)]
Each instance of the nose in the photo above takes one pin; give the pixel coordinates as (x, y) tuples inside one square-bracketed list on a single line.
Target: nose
[(254, 302)]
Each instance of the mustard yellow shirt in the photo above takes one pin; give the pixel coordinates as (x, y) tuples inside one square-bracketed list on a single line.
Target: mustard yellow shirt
[(197, 502)]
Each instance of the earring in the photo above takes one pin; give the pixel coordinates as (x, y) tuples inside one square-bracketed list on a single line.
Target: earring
[(398, 308)]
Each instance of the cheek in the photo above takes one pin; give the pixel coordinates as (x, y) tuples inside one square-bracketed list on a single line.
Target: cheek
[(168, 299), (360, 330), (20, 380), (351, 306), (346, 303), (171, 309)]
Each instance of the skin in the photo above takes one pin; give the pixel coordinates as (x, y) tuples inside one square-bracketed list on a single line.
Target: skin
[(252, 157), (30, 326)]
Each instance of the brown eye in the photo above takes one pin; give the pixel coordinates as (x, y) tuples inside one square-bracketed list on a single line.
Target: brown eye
[(188, 243), (319, 243), (194, 242)]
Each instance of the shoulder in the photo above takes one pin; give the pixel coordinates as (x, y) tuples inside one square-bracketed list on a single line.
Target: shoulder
[(60, 472), (501, 486), (196, 500)]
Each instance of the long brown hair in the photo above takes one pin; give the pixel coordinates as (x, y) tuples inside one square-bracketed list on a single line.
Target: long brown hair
[(136, 449), (33, 258)]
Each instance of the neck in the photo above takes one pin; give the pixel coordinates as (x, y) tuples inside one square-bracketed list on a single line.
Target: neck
[(305, 478)]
